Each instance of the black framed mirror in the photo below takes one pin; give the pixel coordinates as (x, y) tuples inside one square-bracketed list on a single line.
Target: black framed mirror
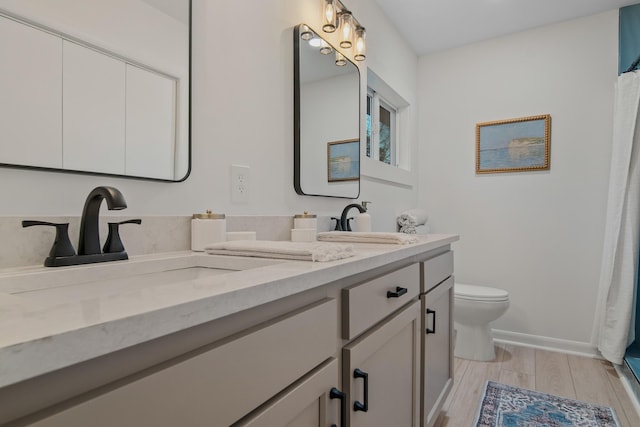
[(326, 118), (96, 86)]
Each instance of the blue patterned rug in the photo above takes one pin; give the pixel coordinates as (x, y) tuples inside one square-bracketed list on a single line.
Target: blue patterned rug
[(506, 406)]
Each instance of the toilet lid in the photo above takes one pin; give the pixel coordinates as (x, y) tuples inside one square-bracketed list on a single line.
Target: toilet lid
[(480, 293)]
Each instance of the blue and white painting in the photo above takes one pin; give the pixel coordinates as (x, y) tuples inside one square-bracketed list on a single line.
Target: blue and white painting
[(519, 144), (344, 160)]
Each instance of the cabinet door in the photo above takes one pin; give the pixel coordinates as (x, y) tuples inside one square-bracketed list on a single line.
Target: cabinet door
[(150, 124), (305, 404), (30, 87), (388, 356), (93, 102), (217, 385), (437, 353)]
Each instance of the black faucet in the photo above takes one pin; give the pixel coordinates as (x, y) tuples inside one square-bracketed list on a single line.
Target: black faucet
[(89, 243), (344, 223), (89, 251)]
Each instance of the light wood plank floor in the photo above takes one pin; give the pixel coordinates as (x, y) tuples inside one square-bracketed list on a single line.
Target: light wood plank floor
[(575, 377)]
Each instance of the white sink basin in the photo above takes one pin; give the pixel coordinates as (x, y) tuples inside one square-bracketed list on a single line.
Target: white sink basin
[(75, 281)]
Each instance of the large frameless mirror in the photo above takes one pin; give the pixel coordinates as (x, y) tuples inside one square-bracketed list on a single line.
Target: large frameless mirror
[(327, 118), (96, 86)]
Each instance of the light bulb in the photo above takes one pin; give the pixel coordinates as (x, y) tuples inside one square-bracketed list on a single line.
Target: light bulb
[(340, 59), (329, 16), (361, 46), (346, 29), (305, 32), (325, 49)]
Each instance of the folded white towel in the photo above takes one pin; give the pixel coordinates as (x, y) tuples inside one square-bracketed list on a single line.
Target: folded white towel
[(302, 251), (412, 217), (367, 237)]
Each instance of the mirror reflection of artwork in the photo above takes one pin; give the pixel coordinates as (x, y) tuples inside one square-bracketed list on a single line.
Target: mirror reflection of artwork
[(343, 161), (98, 86), (327, 108), (513, 145)]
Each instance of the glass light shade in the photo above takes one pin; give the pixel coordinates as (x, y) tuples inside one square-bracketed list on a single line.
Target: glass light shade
[(329, 16), (325, 49), (341, 61), (360, 48), (346, 29), (305, 33)]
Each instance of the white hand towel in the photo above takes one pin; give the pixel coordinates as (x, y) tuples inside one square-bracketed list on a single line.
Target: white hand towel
[(413, 217), (302, 251), (367, 237)]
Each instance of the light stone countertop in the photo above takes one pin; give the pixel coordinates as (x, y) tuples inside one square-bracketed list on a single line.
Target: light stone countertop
[(51, 318)]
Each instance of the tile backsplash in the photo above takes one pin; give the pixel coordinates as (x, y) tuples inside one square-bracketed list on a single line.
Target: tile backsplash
[(30, 246)]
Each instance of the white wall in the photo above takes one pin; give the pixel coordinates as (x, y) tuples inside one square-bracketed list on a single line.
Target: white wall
[(242, 114), (537, 235)]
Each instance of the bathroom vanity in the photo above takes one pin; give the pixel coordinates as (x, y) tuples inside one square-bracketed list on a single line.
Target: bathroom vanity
[(203, 340)]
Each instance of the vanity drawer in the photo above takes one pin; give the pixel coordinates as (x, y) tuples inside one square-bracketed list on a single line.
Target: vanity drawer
[(365, 304), (219, 385), (435, 270)]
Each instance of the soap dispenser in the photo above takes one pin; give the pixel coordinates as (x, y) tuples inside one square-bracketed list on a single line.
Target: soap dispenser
[(363, 220)]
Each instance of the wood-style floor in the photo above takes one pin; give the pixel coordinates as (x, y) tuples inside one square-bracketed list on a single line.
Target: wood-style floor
[(575, 377)]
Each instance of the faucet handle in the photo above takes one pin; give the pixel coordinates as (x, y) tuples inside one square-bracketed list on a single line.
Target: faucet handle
[(337, 228), (62, 246), (349, 224), (114, 243)]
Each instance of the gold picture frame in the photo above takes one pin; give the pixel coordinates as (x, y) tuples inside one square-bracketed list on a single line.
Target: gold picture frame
[(343, 160), (514, 145)]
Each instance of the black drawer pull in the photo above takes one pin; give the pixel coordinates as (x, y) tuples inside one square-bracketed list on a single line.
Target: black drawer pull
[(432, 331), (398, 293), (337, 394), (359, 406)]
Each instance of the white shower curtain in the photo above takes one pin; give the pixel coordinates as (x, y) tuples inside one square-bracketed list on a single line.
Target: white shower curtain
[(619, 271)]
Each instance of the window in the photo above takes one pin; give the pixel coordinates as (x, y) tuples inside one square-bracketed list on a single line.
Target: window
[(386, 153), (381, 129)]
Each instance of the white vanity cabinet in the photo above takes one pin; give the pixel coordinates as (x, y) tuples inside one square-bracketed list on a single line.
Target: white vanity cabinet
[(437, 335), (381, 366), (348, 351), (308, 403), (381, 373), (216, 386)]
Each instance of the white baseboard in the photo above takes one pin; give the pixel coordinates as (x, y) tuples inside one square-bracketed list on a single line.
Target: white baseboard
[(547, 343)]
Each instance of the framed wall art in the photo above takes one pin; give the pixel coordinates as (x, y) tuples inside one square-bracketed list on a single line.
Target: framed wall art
[(343, 160), (513, 145)]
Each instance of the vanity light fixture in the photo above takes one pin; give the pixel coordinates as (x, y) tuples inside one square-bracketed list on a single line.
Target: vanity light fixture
[(360, 47), (325, 49), (341, 61), (329, 16), (335, 15), (346, 29), (305, 33)]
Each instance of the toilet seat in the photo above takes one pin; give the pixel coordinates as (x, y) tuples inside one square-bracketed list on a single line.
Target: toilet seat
[(479, 293)]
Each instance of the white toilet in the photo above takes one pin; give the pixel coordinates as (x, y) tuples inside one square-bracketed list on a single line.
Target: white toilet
[(474, 308)]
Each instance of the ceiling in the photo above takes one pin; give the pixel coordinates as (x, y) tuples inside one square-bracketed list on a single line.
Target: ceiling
[(433, 25)]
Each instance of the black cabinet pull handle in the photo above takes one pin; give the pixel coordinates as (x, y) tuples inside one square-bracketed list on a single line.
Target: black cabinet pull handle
[(432, 331), (337, 394), (359, 406), (398, 293)]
